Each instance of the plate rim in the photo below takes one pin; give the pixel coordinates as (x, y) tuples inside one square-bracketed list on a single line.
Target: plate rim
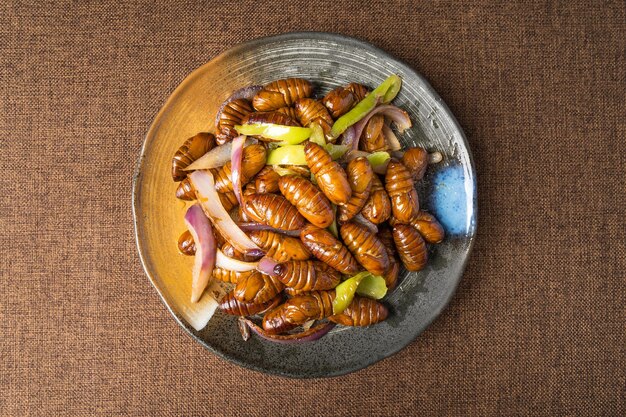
[(328, 36)]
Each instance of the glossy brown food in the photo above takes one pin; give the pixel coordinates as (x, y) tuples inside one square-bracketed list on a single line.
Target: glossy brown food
[(391, 276), (273, 210), (331, 178), (310, 111), (266, 181), (358, 90), (315, 305), (230, 305), (230, 251), (192, 149), (281, 93), (228, 200), (226, 275), (339, 101), (257, 288), (186, 245), (274, 321), (307, 275), (377, 208), (427, 224), (253, 160), (279, 247), (308, 199), (185, 190), (301, 170), (372, 138), (289, 111), (416, 161), (360, 176), (361, 312), (385, 235), (366, 247), (399, 186), (410, 246), (328, 249), (232, 115), (273, 117)]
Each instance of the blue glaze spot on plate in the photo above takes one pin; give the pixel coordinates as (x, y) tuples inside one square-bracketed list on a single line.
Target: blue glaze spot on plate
[(451, 199)]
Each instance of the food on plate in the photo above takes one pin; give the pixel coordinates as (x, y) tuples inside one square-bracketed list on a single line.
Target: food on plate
[(303, 207)]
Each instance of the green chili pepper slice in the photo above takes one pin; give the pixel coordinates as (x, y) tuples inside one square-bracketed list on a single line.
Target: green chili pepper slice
[(378, 158), (317, 134), (372, 286), (384, 93), (291, 135), (344, 292), (287, 155)]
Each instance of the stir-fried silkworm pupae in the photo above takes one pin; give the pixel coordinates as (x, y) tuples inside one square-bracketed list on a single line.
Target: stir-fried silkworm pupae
[(192, 149), (325, 247), (253, 160), (307, 275), (232, 114), (411, 247), (361, 312), (257, 288), (300, 210), (308, 199), (186, 245), (226, 275), (399, 186), (314, 305), (230, 305), (279, 247), (377, 208), (366, 248), (273, 210), (266, 181), (331, 178), (281, 93), (360, 176)]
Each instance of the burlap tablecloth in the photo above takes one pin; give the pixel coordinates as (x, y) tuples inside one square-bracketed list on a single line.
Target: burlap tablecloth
[(537, 325)]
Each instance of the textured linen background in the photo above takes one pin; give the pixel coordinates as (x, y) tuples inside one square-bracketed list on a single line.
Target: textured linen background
[(537, 325)]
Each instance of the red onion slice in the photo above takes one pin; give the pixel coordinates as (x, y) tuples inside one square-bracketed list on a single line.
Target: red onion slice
[(310, 335), (398, 116), (204, 261), (204, 184), (216, 157), (391, 138), (246, 92), (232, 264), (349, 138), (236, 155), (252, 227), (267, 266)]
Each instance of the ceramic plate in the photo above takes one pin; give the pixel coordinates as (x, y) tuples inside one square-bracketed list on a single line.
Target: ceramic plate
[(329, 60)]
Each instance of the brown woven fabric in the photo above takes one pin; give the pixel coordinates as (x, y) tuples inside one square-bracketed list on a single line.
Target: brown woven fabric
[(537, 325)]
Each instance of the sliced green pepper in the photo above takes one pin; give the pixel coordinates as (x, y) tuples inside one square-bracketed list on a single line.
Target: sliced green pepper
[(317, 134), (378, 158), (344, 292), (384, 93), (291, 135), (335, 151), (287, 155), (372, 286)]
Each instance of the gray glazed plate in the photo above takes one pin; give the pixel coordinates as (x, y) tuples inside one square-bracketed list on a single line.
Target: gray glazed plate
[(329, 60)]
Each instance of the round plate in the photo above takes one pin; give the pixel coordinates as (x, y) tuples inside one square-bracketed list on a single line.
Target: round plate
[(328, 60)]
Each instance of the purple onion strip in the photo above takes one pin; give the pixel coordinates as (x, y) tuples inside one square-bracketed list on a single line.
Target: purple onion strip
[(253, 227), (236, 155), (310, 335)]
